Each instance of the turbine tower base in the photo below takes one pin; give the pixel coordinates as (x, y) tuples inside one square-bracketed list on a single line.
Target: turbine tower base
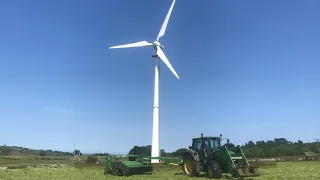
[(155, 161)]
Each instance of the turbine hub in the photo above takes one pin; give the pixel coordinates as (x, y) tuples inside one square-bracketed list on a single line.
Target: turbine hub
[(156, 43)]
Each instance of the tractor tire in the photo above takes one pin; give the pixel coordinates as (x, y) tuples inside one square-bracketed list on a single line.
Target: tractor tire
[(213, 170), (123, 170), (107, 171), (189, 166)]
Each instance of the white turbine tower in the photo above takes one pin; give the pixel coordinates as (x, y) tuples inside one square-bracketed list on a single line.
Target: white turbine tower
[(158, 47)]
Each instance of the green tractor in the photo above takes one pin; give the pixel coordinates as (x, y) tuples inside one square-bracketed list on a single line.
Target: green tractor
[(208, 155)]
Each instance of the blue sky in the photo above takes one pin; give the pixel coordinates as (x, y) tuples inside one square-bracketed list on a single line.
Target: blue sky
[(248, 70)]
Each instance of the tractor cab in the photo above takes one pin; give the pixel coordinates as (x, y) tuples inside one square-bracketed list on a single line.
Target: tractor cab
[(204, 146)]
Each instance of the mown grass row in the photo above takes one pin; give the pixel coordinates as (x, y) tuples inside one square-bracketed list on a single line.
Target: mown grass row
[(309, 170)]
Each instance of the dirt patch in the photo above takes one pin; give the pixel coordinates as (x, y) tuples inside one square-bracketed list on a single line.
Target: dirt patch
[(47, 166), (265, 164), (81, 165), (3, 168), (21, 166)]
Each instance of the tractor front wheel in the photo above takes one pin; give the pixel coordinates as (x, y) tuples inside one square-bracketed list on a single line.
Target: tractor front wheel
[(189, 166), (107, 171), (213, 170)]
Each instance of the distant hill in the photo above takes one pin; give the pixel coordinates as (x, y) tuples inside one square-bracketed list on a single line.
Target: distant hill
[(21, 151)]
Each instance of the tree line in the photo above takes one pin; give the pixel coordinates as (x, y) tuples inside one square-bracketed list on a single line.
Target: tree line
[(260, 149), (10, 150), (277, 148)]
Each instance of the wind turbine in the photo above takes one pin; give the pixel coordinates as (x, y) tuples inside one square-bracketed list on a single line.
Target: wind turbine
[(158, 48)]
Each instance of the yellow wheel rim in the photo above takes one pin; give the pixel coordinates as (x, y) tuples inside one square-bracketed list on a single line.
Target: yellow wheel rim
[(188, 166)]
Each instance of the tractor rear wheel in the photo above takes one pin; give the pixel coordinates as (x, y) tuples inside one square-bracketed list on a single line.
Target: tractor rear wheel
[(213, 170), (189, 166)]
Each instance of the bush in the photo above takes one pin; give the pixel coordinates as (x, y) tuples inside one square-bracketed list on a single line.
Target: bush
[(92, 160), (43, 153)]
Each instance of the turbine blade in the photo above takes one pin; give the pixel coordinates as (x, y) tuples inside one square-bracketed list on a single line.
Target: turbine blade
[(137, 44), (166, 61), (165, 23)]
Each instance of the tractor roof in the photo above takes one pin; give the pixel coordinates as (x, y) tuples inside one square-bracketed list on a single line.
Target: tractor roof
[(205, 137)]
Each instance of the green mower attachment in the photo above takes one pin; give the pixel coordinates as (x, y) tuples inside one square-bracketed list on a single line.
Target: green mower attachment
[(135, 165)]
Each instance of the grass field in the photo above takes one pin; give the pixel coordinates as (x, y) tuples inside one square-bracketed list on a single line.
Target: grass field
[(282, 170)]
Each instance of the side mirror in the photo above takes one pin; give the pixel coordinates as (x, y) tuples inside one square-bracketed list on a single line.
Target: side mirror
[(228, 141), (190, 147)]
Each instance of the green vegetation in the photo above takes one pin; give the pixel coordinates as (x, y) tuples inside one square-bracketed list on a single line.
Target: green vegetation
[(92, 160), (21, 151), (283, 170), (18, 160), (279, 147)]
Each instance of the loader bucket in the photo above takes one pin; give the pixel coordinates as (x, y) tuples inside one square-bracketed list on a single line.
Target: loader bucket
[(247, 171)]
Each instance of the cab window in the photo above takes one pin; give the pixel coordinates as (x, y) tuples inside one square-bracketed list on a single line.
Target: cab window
[(214, 144), (198, 145)]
